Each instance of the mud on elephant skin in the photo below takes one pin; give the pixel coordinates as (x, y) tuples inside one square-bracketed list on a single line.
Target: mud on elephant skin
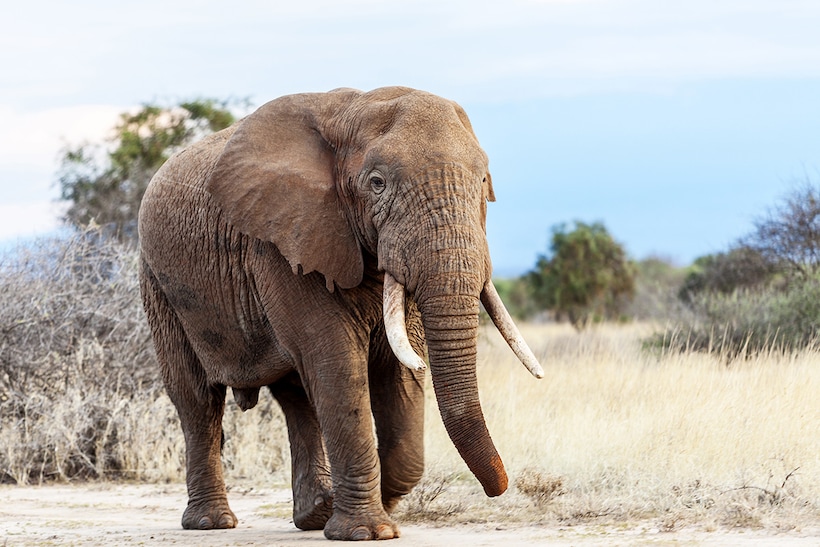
[(314, 248)]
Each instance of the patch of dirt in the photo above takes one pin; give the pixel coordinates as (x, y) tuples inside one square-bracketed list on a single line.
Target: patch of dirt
[(125, 514)]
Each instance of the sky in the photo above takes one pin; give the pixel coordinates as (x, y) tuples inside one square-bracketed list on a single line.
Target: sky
[(676, 124)]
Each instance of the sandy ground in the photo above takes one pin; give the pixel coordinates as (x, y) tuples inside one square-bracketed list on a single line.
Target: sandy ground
[(116, 514)]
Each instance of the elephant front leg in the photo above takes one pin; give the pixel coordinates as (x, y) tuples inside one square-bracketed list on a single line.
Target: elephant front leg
[(341, 398), (310, 472), (397, 395)]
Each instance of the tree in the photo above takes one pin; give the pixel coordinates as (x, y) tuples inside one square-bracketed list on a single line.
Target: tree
[(788, 236), (105, 182), (586, 275)]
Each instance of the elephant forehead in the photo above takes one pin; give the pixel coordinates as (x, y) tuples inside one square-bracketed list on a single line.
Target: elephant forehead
[(414, 151), (414, 123)]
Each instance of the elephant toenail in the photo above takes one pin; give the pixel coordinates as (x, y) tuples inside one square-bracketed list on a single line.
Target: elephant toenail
[(360, 534), (385, 532)]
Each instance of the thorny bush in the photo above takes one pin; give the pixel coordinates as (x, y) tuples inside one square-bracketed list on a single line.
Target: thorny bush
[(74, 344)]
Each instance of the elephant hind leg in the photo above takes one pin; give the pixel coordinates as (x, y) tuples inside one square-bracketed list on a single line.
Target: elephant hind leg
[(200, 407), (311, 481)]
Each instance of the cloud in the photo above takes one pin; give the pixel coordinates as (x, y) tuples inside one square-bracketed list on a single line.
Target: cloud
[(515, 48), (29, 148), (33, 139)]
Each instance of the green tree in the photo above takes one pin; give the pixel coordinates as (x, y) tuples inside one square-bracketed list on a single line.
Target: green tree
[(105, 182), (585, 277)]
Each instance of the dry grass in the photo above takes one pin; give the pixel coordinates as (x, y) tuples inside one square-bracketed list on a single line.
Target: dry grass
[(612, 434)]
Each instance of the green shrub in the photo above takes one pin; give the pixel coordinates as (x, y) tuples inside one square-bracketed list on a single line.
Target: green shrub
[(741, 267), (105, 182), (780, 318), (788, 235), (585, 277), (763, 294), (517, 296)]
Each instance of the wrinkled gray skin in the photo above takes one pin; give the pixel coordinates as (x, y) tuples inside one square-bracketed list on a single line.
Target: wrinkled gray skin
[(263, 249)]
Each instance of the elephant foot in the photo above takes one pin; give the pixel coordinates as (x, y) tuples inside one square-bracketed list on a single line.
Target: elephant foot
[(208, 516), (362, 527), (314, 514)]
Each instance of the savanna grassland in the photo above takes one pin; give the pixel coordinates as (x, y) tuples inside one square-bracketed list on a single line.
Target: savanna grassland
[(618, 433)]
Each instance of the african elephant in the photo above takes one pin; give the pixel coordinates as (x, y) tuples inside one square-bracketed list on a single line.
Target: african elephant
[(280, 252)]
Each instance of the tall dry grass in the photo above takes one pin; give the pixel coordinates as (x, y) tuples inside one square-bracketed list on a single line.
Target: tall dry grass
[(617, 433)]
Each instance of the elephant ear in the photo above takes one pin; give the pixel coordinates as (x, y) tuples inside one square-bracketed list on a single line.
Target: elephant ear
[(489, 195), (275, 181), (488, 188)]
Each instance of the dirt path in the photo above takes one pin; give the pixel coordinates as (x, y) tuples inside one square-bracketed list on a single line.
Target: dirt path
[(115, 514)]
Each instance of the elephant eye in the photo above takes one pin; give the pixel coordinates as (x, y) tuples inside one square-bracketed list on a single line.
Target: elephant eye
[(378, 184)]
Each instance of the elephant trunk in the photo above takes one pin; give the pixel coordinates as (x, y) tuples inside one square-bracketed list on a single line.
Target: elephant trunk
[(438, 251), (449, 305)]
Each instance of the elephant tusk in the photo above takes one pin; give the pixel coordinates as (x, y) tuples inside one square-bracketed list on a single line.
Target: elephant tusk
[(395, 326), (505, 325)]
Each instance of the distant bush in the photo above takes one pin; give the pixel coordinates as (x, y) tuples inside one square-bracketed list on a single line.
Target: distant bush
[(654, 298), (748, 321), (740, 268), (761, 295), (517, 296), (657, 283)]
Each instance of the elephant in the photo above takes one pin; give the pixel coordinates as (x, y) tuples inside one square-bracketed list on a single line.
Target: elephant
[(319, 247)]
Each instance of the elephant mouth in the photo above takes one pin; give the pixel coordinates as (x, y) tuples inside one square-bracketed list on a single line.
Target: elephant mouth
[(394, 313)]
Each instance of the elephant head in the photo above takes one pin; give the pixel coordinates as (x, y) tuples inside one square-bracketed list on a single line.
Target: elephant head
[(398, 174)]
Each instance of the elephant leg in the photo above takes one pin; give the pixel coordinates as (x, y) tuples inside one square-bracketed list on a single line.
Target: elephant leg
[(200, 408), (310, 476), (397, 396), (338, 388)]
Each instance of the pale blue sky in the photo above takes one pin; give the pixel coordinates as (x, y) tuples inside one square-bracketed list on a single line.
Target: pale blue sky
[(674, 123)]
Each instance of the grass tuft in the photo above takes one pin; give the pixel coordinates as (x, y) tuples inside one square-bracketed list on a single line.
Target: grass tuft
[(540, 487)]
